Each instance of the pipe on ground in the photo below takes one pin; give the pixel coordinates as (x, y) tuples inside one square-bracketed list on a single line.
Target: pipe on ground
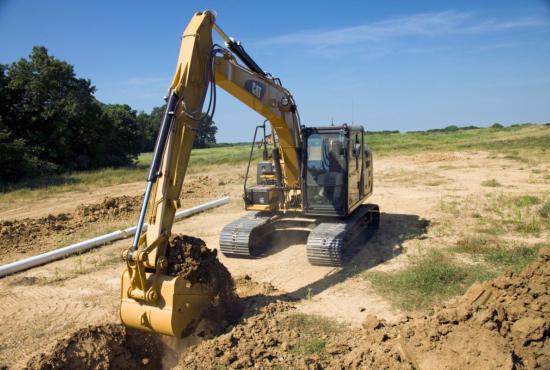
[(59, 253)]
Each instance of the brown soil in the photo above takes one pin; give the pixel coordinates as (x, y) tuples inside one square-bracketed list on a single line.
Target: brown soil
[(34, 235), (31, 234), (504, 323), (500, 324), (112, 346), (189, 258), (102, 347)]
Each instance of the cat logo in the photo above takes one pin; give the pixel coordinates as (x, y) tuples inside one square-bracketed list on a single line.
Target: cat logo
[(255, 88)]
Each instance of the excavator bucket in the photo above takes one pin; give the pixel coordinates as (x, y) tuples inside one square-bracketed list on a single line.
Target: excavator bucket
[(179, 307)]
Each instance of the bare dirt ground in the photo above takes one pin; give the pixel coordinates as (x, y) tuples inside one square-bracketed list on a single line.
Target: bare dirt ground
[(23, 235), (41, 306)]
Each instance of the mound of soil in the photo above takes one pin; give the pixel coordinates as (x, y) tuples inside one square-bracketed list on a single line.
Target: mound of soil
[(504, 323), (109, 208), (25, 235), (189, 258), (102, 347)]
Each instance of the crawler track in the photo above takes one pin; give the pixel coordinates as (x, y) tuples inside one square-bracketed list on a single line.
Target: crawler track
[(328, 242), (240, 238)]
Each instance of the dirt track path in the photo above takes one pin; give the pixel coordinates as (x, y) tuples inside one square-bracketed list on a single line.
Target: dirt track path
[(48, 302)]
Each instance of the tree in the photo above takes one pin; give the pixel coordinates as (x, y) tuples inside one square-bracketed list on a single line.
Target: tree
[(150, 126), (52, 110), (50, 121), (123, 136), (206, 136)]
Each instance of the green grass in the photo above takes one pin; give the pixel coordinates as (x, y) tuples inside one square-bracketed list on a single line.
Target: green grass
[(313, 346), (526, 201), (522, 214), (515, 258), (544, 211), (524, 142), (84, 181), (498, 213), (511, 141), (497, 254), (429, 279)]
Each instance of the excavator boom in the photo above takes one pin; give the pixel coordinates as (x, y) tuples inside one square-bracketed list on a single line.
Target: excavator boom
[(151, 299)]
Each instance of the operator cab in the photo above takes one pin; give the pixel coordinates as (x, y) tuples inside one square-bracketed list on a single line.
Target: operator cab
[(336, 177)]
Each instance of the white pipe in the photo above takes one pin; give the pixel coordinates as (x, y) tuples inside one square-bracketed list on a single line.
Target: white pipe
[(59, 253)]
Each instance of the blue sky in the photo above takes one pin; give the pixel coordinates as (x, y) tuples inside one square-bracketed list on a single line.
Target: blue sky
[(405, 65)]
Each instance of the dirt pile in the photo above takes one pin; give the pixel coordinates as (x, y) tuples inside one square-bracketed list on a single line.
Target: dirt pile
[(189, 258), (26, 235), (102, 347), (504, 323), (110, 208), (202, 187), (501, 324)]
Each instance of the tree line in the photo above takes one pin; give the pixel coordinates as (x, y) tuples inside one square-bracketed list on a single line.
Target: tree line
[(51, 122)]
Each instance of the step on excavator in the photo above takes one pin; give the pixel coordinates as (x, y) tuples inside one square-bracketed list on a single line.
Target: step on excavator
[(313, 179)]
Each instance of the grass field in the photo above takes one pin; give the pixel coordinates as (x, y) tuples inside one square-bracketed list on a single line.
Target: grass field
[(499, 242), (527, 143)]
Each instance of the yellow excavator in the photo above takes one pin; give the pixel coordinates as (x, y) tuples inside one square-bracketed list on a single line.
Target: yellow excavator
[(315, 180)]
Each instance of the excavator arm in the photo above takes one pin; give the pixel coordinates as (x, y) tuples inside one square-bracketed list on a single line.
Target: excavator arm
[(150, 299)]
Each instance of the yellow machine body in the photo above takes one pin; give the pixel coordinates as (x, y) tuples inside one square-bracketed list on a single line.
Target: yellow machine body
[(150, 298), (179, 307)]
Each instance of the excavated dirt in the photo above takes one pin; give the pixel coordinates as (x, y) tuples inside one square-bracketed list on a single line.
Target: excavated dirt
[(103, 347), (504, 323), (34, 235), (115, 347), (501, 324), (189, 258), (26, 235)]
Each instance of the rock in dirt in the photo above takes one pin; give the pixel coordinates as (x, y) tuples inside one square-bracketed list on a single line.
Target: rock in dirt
[(102, 347)]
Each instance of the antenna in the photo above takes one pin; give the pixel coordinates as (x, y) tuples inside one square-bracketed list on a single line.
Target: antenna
[(352, 111)]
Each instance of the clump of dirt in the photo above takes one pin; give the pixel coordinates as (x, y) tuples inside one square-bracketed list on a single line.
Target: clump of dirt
[(109, 208), (504, 323), (33, 235), (202, 187), (108, 346), (189, 258), (257, 341)]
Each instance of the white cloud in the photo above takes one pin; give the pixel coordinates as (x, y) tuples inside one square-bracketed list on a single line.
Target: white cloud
[(424, 24)]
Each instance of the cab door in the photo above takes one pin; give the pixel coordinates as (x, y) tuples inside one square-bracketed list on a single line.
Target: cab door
[(355, 168)]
